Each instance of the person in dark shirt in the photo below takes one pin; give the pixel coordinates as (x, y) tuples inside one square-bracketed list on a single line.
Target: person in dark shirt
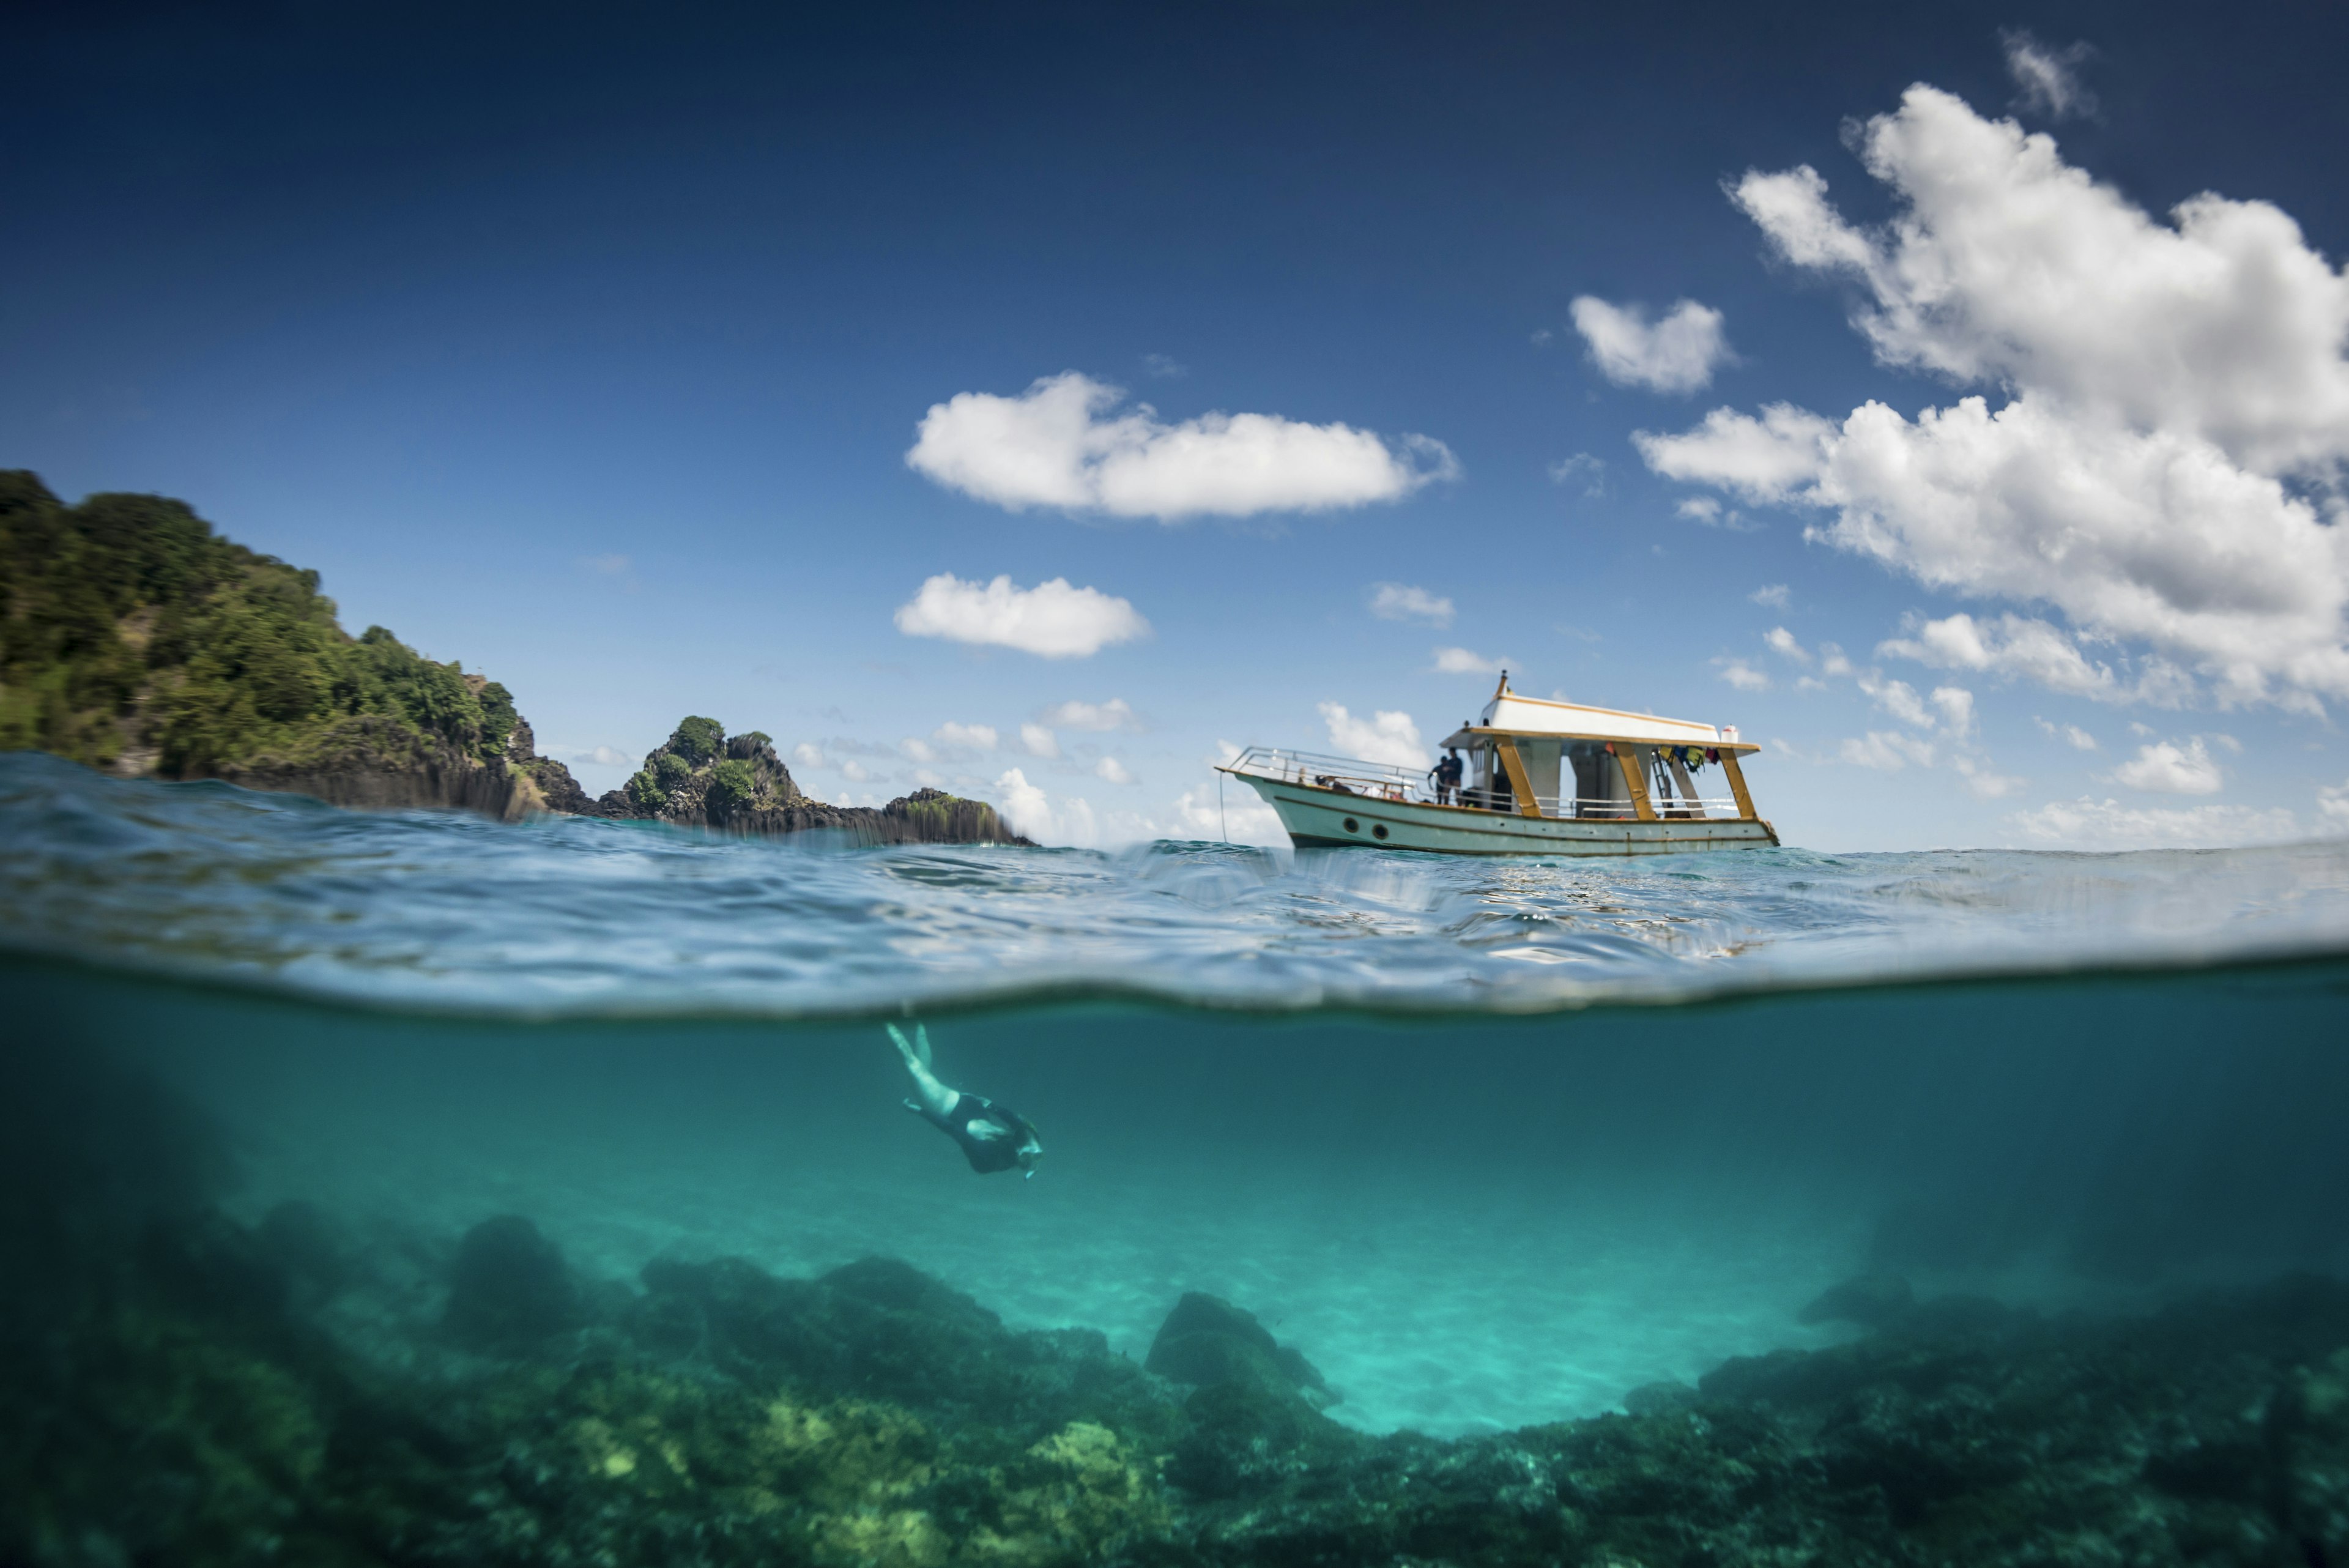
[(993, 1137), (1447, 777)]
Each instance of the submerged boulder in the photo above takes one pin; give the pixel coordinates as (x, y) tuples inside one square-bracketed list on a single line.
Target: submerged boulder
[(1206, 1341), (1868, 1300), (510, 1290)]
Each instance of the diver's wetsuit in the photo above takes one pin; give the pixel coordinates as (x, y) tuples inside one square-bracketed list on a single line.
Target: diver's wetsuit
[(986, 1149)]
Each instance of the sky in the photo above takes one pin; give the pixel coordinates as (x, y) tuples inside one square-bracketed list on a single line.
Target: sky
[(1041, 402)]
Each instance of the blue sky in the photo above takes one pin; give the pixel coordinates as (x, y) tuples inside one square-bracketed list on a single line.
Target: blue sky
[(589, 347)]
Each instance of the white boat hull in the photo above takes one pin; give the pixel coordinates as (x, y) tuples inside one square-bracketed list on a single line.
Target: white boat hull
[(1316, 817)]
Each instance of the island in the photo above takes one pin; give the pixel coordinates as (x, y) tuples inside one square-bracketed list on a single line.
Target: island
[(136, 639)]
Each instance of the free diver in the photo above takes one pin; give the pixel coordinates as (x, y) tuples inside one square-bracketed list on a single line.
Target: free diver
[(993, 1137)]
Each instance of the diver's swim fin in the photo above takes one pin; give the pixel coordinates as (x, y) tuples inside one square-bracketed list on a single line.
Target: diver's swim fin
[(922, 1043)]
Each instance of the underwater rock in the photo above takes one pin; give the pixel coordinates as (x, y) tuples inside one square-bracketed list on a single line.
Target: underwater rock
[(510, 1290), (1868, 1300), (1206, 1340), (1660, 1397), (308, 1248)]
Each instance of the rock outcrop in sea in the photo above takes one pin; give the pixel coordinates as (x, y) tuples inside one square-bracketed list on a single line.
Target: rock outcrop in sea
[(702, 777)]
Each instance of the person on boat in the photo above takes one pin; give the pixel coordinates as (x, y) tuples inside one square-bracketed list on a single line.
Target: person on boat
[(1447, 776), (993, 1137)]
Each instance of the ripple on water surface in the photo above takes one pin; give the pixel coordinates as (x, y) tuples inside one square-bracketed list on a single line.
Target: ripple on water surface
[(573, 915)]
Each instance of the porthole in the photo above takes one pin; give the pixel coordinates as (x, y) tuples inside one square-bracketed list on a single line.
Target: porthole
[(1378, 830), (1353, 827)]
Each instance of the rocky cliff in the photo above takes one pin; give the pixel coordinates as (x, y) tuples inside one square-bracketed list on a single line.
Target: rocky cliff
[(702, 777)]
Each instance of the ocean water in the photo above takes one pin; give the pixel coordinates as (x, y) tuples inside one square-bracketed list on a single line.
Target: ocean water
[(1492, 1143)]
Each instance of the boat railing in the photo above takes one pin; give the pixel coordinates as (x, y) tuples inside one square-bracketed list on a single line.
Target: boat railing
[(1389, 781)]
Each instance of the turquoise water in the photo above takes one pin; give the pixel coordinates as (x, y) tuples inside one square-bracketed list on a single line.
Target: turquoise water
[(1493, 1143)]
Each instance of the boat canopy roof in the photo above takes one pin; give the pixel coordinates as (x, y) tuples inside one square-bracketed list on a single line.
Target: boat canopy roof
[(1510, 714)]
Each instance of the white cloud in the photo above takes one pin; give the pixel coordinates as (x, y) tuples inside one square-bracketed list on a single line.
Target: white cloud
[(1705, 509), (595, 756), (1039, 741), (1166, 366), (1983, 782), (1238, 813), (1030, 811), (1098, 717), (1462, 661), (809, 756), (1770, 459), (1773, 594), (1896, 698), (1678, 354), (2079, 740), (855, 771), (1592, 471), (1113, 771), (1832, 661), (918, 751), (2020, 645), (2048, 77), (1782, 642), (2168, 768), (1401, 601), (2333, 802), (1058, 444), (1957, 707), (1052, 619), (1888, 750), (1386, 736), (2168, 387), (957, 737), (1741, 675), (2087, 823)]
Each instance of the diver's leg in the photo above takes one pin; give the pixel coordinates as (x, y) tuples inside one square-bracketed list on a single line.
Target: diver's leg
[(935, 1098)]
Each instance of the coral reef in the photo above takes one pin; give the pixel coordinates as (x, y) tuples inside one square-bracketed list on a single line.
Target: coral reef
[(178, 1388)]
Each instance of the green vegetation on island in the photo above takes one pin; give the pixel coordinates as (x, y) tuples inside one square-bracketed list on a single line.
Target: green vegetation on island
[(136, 639)]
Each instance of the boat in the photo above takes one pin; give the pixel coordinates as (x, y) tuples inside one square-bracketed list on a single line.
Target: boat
[(1539, 777)]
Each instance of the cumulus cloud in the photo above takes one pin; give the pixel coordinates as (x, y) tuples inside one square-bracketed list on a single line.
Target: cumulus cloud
[(1052, 619), (917, 749), (2333, 804), (2166, 767), (1896, 698), (1887, 750), (2072, 735), (2089, 823), (1741, 674), (1035, 812), (2177, 403), (1039, 741), (1112, 770), (1098, 717), (957, 737), (1774, 595), (1463, 662), (1061, 443), (1239, 815), (1590, 471), (1782, 642), (1386, 736), (1401, 601), (1677, 354), (2048, 78), (1983, 782), (809, 756)]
